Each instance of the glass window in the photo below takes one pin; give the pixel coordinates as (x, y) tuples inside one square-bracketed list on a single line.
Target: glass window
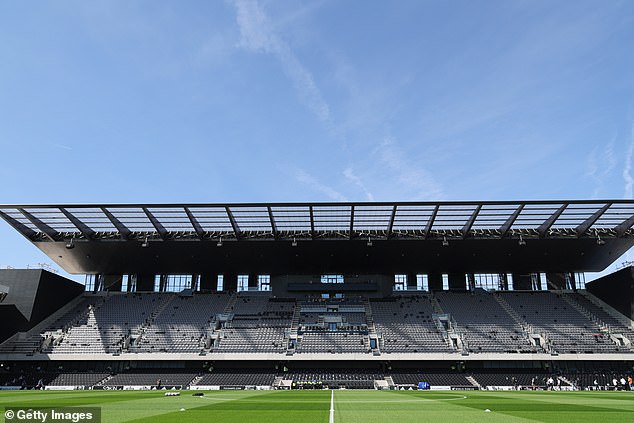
[(177, 283), (331, 278), (243, 283), (89, 282), (264, 282), (422, 283), (400, 282), (220, 284)]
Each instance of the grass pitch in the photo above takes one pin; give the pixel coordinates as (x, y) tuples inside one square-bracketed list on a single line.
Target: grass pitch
[(349, 406)]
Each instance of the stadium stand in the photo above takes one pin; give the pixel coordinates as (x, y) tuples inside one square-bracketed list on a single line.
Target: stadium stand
[(311, 296), (483, 324), (565, 329), (407, 324)]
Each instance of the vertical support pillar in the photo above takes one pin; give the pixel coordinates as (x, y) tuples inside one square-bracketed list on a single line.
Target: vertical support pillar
[(195, 282), (411, 281), (253, 282), (556, 280), (163, 283), (457, 282), (208, 281), (113, 283), (230, 282), (434, 281), (145, 283), (471, 283), (503, 282), (522, 282)]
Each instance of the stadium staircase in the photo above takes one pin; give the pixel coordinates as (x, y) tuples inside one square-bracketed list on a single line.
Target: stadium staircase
[(195, 380), (619, 328), (136, 335), (539, 340), (291, 340), (390, 381), (446, 325), (474, 382), (607, 309), (584, 312), (372, 334), (230, 304)]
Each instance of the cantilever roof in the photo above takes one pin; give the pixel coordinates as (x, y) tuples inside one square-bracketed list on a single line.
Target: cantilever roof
[(385, 220)]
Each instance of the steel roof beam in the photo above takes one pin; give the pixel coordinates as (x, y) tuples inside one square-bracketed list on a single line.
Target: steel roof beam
[(155, 222), (467, 227), (43, 227), (123, 230), (587, 224), (430, 223), (390, 225), (19, 226), (622, 228), (194, 222), (506, 227), (273, 225), (544, 227), (234, 224), (351, 221), (83, 228), (312, 221)]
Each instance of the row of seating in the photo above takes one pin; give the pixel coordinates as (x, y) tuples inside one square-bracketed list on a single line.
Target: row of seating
[(246, 323)]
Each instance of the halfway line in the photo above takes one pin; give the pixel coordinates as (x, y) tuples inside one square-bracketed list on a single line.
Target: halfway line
[(332, 406)]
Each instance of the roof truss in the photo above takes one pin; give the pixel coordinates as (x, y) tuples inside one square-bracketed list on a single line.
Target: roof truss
[(288, 221)]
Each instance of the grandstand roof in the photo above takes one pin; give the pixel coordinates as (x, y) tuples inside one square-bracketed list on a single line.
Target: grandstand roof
[(601, 221)]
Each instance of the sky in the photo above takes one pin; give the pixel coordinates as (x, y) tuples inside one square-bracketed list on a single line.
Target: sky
[(264, 101)]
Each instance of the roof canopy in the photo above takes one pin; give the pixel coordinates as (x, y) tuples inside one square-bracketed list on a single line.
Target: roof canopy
[(420, 220), (313, 238)]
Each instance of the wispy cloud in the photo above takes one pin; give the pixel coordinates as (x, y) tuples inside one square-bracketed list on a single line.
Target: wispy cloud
[(601, 163), (62, 146), (352, 177), (627, 170), (258, 34), (312, 182)]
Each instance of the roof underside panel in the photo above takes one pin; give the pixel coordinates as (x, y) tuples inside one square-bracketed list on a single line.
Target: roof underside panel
[(372, 218), (52, 218), (133, 218), (493, 216), (252, 219), (94, 218), (292, 219), (212, 219), (329, 218), (533, 216), (413, 218), (173, 219), (453, 218)]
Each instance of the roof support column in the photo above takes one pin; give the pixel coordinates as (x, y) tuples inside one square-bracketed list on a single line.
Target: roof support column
[(434, 281), (411, 282)]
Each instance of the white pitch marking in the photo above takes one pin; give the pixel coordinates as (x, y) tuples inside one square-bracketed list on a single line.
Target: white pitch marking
[(332, 407)]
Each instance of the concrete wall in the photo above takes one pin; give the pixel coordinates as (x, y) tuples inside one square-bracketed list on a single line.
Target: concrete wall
[(33, 295), (616, 289)]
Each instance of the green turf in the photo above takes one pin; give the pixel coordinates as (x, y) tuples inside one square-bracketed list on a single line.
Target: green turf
[(350, 406)]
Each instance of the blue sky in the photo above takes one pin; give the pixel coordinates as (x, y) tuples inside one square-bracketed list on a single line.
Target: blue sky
[(231, 101)]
